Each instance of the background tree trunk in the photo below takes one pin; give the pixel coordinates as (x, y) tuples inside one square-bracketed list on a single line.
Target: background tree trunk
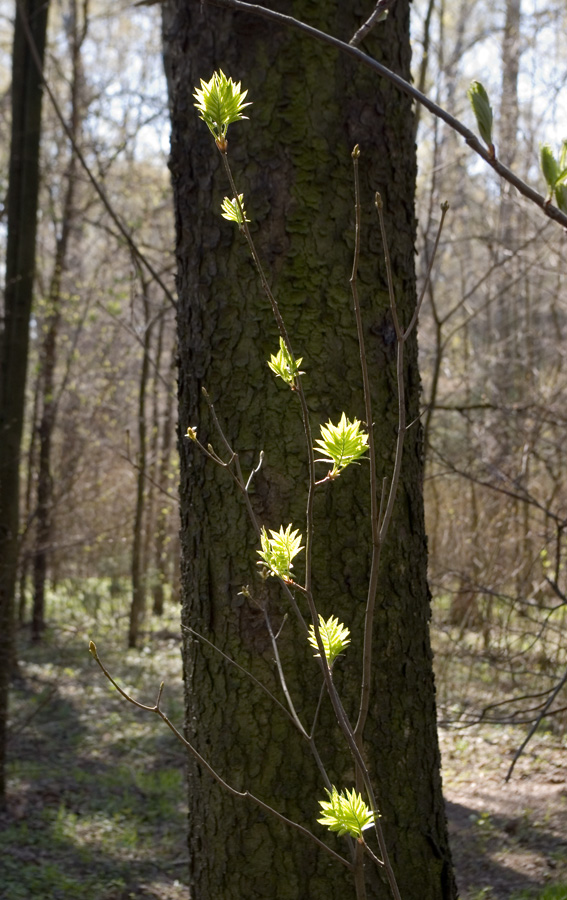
[(162, 547), (293, 162), (138, 565), (14, 336), (48, 354)]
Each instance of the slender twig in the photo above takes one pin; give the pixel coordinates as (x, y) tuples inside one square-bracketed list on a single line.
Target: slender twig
[(380, 13), (336, 702), (362, 352), (232, 662), (309, 528), (374, 502), (243, 487), (290, 713), (380, 527), (81, 158), (255, 471), (322, 693), (427, 281), (245, 795), (380, 519), (401, 339), (281, 675), (535, 726), (359, 881), (372, 855), (524, 497), (383, 524), (295, 718), (216, 421), (552, 212)]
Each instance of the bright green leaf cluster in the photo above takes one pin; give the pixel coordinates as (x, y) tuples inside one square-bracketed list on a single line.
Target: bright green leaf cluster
[(483, 112), (284, 366), (341, 444), (555, 173), (279, 550), (346, 813), (220, 102), (231, 210), (334, 635)]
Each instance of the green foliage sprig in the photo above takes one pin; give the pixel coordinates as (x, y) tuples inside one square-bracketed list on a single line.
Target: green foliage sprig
[(220, 102), (234, 211), (334, 635), (483, 112), (341, 444), (279, 550), (284, 366), (346, 813), (555, 173)]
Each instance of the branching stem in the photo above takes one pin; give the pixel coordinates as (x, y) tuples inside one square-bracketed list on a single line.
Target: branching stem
[(552, 212), (245, 795), (336, 702)]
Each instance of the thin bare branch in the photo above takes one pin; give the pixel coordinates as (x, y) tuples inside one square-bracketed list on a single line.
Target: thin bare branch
[(244, 795), (552, 212), (379, 14)]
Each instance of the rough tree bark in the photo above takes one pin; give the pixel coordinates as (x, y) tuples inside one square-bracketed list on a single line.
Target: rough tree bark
[(23, 188), (293, 162)]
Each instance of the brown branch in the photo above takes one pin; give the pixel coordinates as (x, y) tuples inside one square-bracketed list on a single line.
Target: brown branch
[(244, 795), (552, 212), (535, 726), (144, 261)]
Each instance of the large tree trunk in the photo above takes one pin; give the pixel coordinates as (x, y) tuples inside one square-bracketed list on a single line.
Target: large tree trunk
[(14, 336), (293, 161)]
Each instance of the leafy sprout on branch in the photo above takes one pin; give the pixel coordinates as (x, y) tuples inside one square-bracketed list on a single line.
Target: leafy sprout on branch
[(220, 102), (284, 366), (341, 444), (334, 636), (346, 813), (555, 173), (483, 113), (279, 550), (233, 210)]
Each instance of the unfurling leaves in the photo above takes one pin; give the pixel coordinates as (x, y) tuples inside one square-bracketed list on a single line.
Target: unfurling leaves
[(345, 813), (561, 197), (483, 112), (220, 102), (231, 210), (284, 366), (555, 173), (341, 444), (334, 636), (549, 165), (279, 550)]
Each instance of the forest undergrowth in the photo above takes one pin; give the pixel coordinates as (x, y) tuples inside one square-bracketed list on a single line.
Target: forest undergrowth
[(96, 801), (96, 787)]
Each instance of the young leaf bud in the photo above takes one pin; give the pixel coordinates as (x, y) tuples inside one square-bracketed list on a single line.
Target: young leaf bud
[(561, 197), (549, 165), (483, 112)]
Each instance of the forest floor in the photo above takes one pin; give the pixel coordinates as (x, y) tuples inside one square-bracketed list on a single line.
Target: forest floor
[(96, 788), (507, 838)]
